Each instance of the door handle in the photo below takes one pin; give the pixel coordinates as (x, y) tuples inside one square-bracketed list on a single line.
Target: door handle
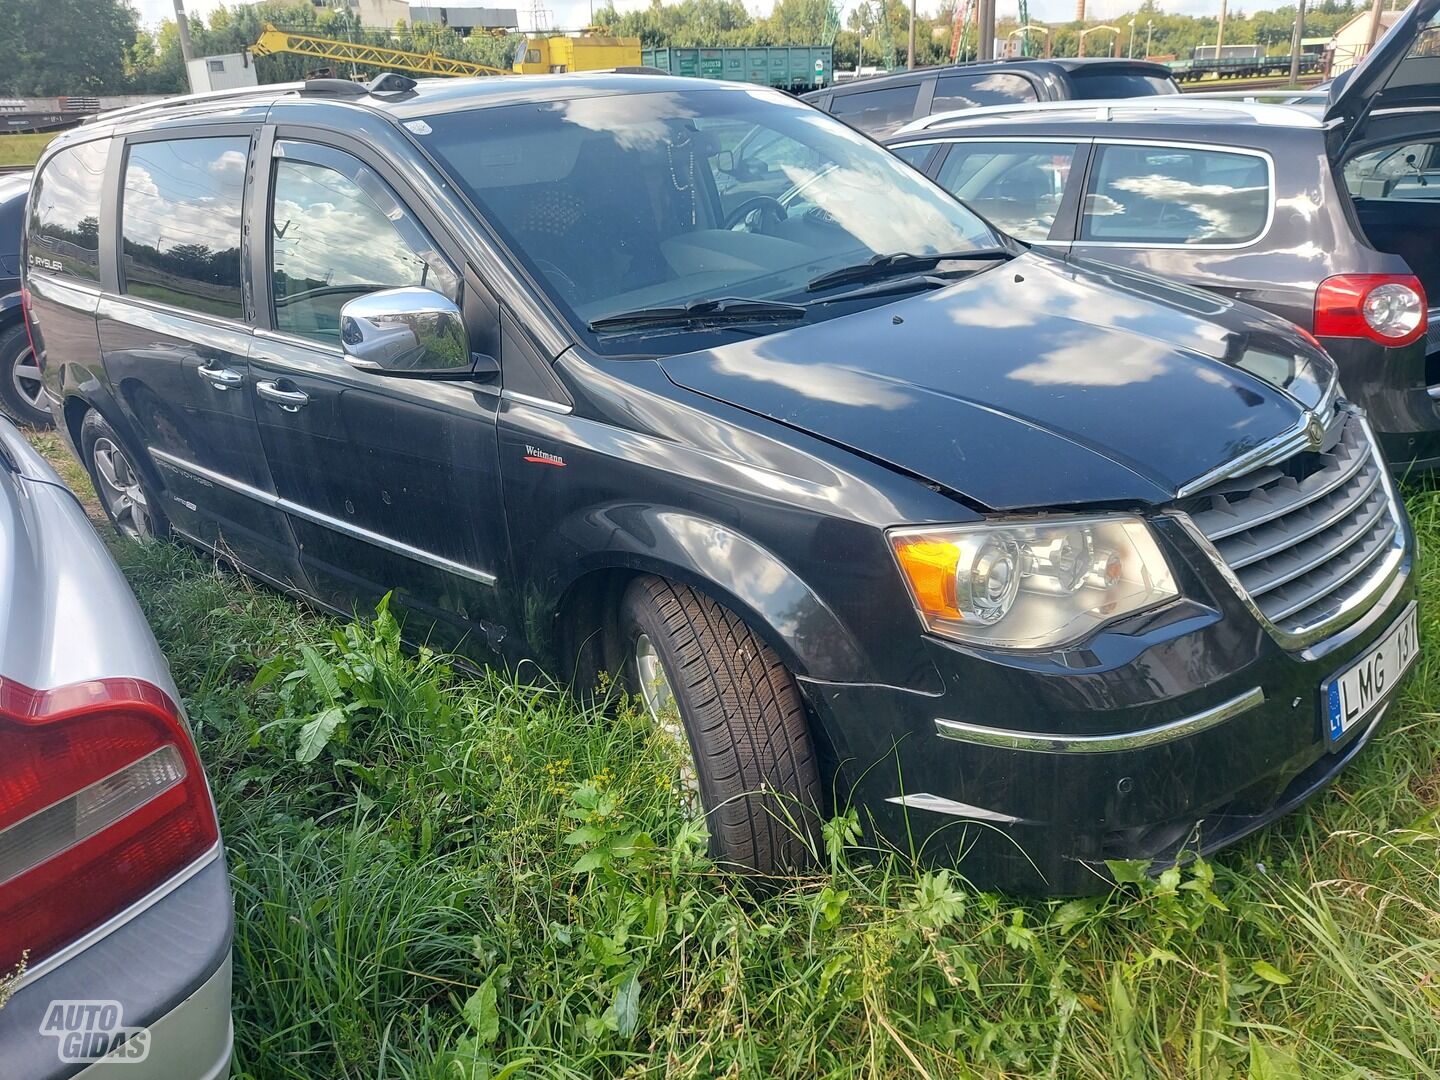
[(288, 400), (220, 378)]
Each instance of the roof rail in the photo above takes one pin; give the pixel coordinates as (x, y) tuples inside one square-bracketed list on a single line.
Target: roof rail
[(1257, 112), (187, 99), (387, 82)]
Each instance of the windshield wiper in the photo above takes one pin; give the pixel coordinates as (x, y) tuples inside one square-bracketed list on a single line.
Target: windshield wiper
[(903, 262), (721, 310), (897, 286)]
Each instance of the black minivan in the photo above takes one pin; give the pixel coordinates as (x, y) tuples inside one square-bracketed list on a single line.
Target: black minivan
[(1039, 565)]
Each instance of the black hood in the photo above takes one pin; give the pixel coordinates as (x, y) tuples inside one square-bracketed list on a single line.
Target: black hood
[(1036, 384)]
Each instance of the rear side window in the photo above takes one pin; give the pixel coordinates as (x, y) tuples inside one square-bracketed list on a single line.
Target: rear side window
[(973, 91), (1102, 84), (1175, 195), (337, 232), (877, 112), (180, 223), (65, 211), (1018, 186), (914, 154)]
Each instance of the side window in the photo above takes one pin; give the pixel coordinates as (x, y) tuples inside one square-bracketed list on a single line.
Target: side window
[(337, 231), (877, 112), (1175, 195), (1018, 186), (973, 91), (65, 211), (915, 154), (180, 223)]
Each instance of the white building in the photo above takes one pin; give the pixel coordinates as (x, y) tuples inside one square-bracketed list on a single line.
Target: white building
[(226, 72), (1352, 41)]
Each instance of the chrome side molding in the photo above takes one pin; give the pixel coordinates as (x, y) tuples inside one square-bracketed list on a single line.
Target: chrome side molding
[(1048, 743), (484, 577)]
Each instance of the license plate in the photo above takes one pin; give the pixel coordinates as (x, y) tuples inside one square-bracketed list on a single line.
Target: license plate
[(1354, 694)]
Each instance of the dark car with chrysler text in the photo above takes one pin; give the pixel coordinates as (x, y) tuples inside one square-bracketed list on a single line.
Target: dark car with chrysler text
[(1039, 564), (1328, 216)]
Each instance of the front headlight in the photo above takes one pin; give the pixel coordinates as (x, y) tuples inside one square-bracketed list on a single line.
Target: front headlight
[(1034, 584)]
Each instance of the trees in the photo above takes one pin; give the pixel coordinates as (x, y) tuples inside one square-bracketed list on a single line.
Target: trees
[(94, 46), (51, 47)]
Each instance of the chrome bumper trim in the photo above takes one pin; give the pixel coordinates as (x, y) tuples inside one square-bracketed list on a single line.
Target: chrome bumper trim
[(936, 804), (1046, 743)]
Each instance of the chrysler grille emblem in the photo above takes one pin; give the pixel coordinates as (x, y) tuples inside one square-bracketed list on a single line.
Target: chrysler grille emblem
[(1314, 430)]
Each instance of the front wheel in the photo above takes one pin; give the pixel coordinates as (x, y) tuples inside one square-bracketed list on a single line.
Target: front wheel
[(737, 719), (129, 504)]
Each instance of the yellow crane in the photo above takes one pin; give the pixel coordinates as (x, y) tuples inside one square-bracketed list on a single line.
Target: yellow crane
[(346, 52)]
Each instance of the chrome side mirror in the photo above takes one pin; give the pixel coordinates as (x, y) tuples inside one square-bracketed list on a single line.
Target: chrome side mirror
[(411, 331)]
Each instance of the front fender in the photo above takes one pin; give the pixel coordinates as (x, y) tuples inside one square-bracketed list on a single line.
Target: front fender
[(740, 573)]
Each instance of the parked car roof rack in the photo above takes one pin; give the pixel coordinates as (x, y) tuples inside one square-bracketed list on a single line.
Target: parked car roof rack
[(387, 82), (1256, 112), (241, 92)]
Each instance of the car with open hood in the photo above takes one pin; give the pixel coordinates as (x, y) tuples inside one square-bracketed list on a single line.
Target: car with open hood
[(1323, 208), (1037, 564)]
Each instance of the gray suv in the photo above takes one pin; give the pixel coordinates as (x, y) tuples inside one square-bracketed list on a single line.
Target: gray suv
[(1325, 214)]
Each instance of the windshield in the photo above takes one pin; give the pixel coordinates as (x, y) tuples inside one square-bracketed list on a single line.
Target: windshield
[(633, 201)]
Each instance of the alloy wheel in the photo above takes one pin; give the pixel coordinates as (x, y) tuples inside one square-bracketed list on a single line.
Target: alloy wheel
[(120, 489), (25, 374), (664, 713)]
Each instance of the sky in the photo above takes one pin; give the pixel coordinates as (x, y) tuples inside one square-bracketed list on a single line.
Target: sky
[(575, 13)]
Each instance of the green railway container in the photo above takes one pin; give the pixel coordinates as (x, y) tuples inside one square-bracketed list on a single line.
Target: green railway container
[(790, 67)]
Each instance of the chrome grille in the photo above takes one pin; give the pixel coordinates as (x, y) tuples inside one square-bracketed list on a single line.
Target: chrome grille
[(1306, 539)]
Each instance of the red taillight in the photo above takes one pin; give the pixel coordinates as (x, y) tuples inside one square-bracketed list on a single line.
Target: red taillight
[(102, 799), (1384, 308), (29, 330)]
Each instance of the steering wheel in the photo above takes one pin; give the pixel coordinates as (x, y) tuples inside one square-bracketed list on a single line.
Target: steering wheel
[(754, 212)]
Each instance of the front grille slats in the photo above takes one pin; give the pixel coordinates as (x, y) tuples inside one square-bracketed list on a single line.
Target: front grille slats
[(1310, 555), (1305, 540), (1275, 537), (1261, 505), (1373, 548)]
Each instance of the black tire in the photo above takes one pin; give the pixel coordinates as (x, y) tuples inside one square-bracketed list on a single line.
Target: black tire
[(129, 500), (20, 398), (745, 720)]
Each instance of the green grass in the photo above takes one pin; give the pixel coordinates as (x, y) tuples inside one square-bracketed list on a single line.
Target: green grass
[(23, 149), (440, 875)]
